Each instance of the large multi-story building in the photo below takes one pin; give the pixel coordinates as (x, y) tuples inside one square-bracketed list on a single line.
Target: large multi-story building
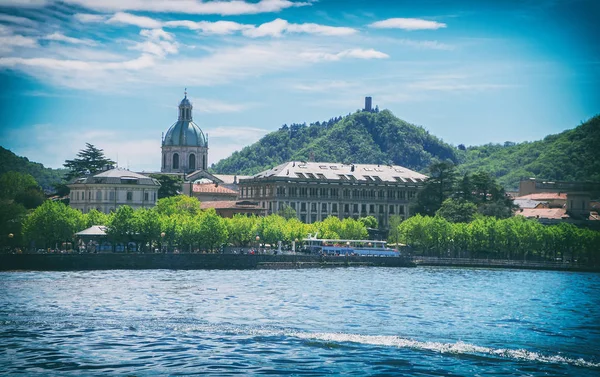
[(316, 190), (111, 189)]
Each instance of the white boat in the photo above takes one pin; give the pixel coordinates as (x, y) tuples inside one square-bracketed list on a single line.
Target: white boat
[(348, 247)]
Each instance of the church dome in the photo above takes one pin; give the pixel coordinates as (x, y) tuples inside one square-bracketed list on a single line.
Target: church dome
[(185, 132)]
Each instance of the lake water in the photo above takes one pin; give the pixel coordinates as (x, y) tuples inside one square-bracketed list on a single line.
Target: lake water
[(351, 321)]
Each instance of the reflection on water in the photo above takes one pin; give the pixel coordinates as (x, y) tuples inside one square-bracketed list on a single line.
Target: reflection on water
[(364, 321)]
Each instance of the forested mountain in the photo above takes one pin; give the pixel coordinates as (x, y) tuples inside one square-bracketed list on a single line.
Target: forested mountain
[(380, 137), (45, 177), (573, 155), (362, 137)]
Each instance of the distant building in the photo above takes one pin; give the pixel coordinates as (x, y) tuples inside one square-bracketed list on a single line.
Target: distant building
[(184, 147), (111, 189), (228, 208), (558, 201), (368, 104), (316, 190)]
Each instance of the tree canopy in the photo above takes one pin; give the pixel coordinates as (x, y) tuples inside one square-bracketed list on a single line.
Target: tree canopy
[(90, 160)]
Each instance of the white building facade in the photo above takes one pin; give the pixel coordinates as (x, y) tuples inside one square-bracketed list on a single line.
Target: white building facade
[(111, 189), (316, 190)]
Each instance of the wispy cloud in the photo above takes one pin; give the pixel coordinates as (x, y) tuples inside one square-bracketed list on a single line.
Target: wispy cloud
[(218, 27), (356, 53), (158, 42), (278, 27), (9, 40), (16, 20), (131, 19), (407, 24), (23, 3), (224, 8), (428, 45), (56, 36), (86, 17)]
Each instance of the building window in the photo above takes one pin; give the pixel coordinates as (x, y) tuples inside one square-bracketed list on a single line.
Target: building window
[(164, 160), (381, 208), (346, 208), (111, 195), (313, 218), (391, 209), (129, 195), (303, 207), (146, 196), (324, 207), (293, 205), (303, 218), (203, 162), (372, 208), (192, 162), (334, 207), (355, 208), (175, 161), (98, 195), (363, 208), (154, 196), (401, 210), (313, 207)]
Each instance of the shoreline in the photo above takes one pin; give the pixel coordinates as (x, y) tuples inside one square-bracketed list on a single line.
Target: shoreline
[(189, 261)]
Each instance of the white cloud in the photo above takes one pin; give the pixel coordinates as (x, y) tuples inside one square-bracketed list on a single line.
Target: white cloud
[(356, 53), (85, 17), (278, 27), (131, 19), (428, 45), (23, 3), (63, 38), (16, 20), (407, 24), (159, 43), (9, 40), (218, 27), (224, 8)]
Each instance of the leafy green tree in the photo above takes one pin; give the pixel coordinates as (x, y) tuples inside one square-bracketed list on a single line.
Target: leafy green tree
[(330, 228), (353, 230), (122, 226), (148, 227), (241, 230), (95, 217), (369, 222), (179, 204), (170, 184), (437, 188), (90, 160), (287, 212), (51, 224), (12, 183), (394, 232), (457, 210), (213, 230), (11, 220)]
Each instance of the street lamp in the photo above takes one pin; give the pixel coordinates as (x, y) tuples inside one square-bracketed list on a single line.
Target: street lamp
[(10, 237), (295, 243), (257, 244), (162, 237)]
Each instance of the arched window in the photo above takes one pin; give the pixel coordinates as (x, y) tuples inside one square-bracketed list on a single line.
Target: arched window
[(203, 162), (98, 195), (192, 162), (164, 160), (175, 161)]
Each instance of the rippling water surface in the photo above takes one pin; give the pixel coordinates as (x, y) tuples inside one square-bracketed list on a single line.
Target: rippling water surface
[(353, 321)]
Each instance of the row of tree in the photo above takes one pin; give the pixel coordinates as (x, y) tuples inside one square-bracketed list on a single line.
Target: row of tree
[(515, 238), (177, 222)]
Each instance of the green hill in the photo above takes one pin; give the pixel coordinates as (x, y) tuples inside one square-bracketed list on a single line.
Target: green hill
[(362, 137), (573, 155), (45, 177)]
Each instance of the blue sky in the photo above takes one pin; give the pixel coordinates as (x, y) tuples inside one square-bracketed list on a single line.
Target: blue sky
[(111, 72)]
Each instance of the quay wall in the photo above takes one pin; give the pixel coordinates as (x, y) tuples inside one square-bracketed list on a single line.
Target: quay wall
[(186, 261), (500, 263)]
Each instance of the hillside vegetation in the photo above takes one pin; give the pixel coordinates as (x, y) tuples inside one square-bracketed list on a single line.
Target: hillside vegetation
[(380, 137), (45, 177), (362, 137), (572, 155)]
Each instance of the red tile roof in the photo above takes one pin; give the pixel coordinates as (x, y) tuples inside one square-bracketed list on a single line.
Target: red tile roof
[(545, 196), (544, 213), (221, 204), (211, 188)]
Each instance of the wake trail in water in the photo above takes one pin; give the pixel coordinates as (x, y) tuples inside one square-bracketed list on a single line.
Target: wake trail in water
[(459, 348)]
